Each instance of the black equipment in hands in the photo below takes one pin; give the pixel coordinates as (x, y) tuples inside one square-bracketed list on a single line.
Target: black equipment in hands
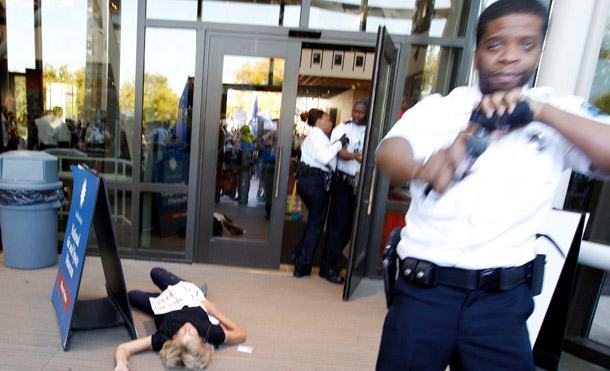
[(478, 142), (344, 140)]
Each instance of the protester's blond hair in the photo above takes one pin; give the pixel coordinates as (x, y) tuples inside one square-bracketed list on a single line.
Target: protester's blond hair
[(191, 354)]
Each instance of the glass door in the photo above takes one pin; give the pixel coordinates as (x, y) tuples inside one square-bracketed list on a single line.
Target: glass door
[(377, 126), (249, 115)]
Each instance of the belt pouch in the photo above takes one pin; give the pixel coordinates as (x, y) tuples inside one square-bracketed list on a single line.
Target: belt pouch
[(537, 274), (426, 273)]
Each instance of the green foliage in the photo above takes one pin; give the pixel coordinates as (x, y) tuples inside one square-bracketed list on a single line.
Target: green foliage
[(75, 80), (160, 102), (603, 103), (259, 73)]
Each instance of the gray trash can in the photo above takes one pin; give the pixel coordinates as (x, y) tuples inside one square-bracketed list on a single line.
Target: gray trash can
[(30, 193)]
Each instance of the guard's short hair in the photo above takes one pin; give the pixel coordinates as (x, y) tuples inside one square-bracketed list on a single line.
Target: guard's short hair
[(363, 101), (503, 8)]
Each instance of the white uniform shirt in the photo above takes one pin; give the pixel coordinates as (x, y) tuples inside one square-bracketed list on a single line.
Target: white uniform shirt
[(490, 218), (355, 134), (318, 151)]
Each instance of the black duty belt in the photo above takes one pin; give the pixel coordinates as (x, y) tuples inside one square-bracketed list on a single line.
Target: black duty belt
[(340, 175), (497, 279), (305, 170)]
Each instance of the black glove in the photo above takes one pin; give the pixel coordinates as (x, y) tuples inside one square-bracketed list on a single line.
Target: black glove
[(344, 140), (521, 116)]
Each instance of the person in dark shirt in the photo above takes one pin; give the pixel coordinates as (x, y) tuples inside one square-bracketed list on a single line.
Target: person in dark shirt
[(188, 325)]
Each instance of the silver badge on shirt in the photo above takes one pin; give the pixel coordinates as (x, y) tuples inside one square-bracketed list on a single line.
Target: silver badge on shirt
[(537, 140)]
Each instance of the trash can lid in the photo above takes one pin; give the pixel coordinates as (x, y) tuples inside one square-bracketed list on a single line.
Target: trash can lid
[(29, 170)]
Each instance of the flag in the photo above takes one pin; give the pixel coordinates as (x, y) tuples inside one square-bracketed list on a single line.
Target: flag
[(254, 121)]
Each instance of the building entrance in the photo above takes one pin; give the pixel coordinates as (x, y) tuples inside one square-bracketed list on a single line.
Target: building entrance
[(248, 116)]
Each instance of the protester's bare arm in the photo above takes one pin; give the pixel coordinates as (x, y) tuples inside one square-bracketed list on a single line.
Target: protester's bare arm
[(126, 350), (589, 136), (233, 333)]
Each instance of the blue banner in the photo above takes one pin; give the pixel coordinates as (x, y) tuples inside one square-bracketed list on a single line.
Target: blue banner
[(181, 125), (70, 270)]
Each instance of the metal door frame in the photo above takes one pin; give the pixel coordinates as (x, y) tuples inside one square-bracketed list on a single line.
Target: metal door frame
[(242, 252)]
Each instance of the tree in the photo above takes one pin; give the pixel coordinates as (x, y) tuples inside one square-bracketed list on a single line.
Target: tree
[(160, 102), (73, 81), (259, 73), (603, 103)]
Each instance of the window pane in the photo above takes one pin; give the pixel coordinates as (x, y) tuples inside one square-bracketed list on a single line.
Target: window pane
[(20, 35), (441, 18), (340, 15), (600, 328), (252, 12), (120, 207), (249, 115), (163, 221), (179, 10), (167, 109), (431, 69)]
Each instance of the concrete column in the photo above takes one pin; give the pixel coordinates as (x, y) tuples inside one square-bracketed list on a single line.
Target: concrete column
[(570, 55), (572, 42)]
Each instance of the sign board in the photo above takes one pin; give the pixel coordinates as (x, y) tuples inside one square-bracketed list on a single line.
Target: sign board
[(560, 240), (89, 205)]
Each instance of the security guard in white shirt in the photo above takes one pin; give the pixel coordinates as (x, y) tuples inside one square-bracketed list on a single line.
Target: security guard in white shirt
[(314, 176), (342, 191), (467, 251)]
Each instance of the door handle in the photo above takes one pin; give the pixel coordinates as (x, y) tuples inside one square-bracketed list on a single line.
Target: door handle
[(277, 175), (372, 191)]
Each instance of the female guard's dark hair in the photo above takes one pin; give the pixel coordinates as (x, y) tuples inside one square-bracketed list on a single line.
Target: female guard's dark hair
[(312, 116), (503, 8)]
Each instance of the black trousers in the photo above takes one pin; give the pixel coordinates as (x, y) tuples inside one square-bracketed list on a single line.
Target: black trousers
[(313, 193), (430, 328), (160, 277), (339, 224)]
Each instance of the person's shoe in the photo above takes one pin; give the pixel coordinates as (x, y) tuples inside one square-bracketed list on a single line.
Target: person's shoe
[(332, 276), (299, 273)]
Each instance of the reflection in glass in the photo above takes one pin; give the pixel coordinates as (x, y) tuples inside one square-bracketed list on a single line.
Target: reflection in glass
[(600, 328), (340, 15), (67, 102), (431, 69), (179, 10), (163, 221), (264, 13), (120, 207), (440, 18), (247, 146), (167, 105), (597, 230), (20, 21)]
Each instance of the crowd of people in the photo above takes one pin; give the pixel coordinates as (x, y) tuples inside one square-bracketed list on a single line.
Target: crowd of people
[(51, 130)]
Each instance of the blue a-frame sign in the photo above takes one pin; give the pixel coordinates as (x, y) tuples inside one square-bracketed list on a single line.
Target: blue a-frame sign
[(89, 205)]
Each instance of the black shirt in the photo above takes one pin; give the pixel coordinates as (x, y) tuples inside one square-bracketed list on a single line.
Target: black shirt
[(168, 324)]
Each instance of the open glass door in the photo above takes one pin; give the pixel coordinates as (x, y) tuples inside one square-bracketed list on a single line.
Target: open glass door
[(377, 126), (249, 116)]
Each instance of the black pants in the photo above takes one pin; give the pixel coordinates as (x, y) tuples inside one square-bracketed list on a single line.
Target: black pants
[(430, 328), (340, 221), (315, 196), (161, 278)]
